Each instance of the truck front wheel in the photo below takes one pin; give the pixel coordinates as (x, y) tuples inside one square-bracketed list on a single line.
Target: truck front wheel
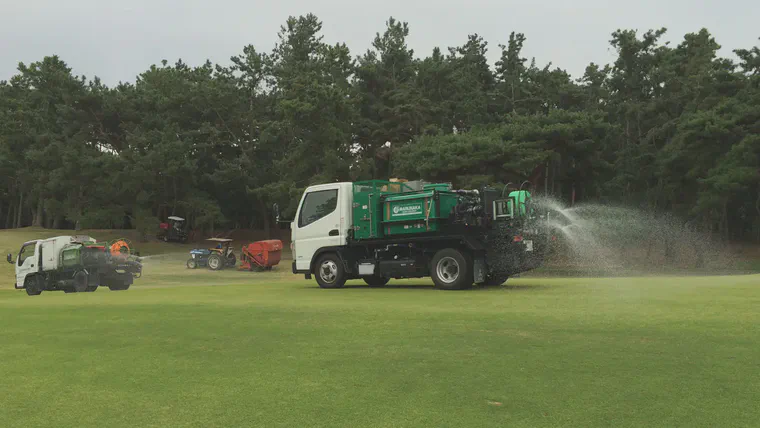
[(451, 270), (33, 286), (330, 272)]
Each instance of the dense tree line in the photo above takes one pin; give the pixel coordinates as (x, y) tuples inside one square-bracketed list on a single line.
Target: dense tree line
[(671, 128)]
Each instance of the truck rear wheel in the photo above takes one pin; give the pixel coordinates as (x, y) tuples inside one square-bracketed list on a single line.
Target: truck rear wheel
[(330, 272), (81, 281), (119, 286), (376, 281), (495, 280), (120, 283), (451, 270), (93, 282)]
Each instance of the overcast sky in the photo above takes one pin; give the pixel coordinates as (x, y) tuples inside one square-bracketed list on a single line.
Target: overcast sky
[(117, 40)]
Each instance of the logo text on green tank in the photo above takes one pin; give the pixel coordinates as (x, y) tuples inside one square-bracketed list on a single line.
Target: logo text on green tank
[(407, 210)]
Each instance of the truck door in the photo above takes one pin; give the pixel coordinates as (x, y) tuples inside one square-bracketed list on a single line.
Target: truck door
[(318, 223), (26, 263)]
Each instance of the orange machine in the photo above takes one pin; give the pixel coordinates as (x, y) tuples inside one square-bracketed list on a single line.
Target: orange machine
[(261, 255)]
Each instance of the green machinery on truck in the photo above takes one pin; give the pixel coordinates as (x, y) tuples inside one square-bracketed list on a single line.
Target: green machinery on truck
[(377, 230), (75, 264)]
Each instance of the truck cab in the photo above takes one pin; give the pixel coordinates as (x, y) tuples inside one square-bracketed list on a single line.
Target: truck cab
[(322, 221), (26, 262)]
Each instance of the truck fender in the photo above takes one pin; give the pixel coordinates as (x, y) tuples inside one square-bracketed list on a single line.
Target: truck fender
[(325, 250)]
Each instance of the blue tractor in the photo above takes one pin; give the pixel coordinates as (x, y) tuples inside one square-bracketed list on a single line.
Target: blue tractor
[(217, 258)]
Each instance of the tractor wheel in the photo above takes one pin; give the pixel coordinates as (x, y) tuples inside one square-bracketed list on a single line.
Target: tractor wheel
[(192, 264), (81, 281), (330, 272), (451, 270), (376, 281), (32, 286), (215, 262)]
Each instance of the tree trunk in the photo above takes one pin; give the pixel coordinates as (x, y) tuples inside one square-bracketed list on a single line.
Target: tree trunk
[(20, 210), (57, 222), (726, 233), (267, 223), (572, 197), (38, 214), (174, 188), (10, 216)]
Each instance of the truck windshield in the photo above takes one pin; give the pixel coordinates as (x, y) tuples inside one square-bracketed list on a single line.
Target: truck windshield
[(26, 252)]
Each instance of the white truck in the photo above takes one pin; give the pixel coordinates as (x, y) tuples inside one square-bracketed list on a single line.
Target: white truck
[(378, 230), (74, 264)]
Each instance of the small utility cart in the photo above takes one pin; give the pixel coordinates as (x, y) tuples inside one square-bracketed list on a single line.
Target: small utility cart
[(217, 258), (173, 230)]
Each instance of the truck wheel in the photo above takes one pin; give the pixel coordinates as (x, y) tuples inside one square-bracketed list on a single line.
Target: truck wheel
[(81, 281), (376, 281), (330, 272), (191, 264), (93, 283), (493, 281), (32, 286), (215, 262), (120, 283), (451, 270)]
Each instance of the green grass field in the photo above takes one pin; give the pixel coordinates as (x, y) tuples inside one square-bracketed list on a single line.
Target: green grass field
[(199, 348)]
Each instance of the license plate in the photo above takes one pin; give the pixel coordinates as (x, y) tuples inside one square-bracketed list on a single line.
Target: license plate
[(528, 245)]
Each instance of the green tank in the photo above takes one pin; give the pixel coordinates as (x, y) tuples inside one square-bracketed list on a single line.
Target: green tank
[(521, 198), (417, 212), (71, 256), (382, 208)]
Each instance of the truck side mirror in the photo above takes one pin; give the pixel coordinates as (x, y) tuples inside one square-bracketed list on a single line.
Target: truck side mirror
[(10, 258)]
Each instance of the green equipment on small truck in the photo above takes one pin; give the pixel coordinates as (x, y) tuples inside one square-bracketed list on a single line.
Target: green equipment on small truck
[(378, 230), (75, 264)]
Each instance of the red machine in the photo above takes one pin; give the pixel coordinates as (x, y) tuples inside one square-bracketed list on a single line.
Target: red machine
[(261, 255)]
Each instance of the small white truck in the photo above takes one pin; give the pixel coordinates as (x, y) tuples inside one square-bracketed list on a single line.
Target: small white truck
[(377, 230), (74, 264)]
